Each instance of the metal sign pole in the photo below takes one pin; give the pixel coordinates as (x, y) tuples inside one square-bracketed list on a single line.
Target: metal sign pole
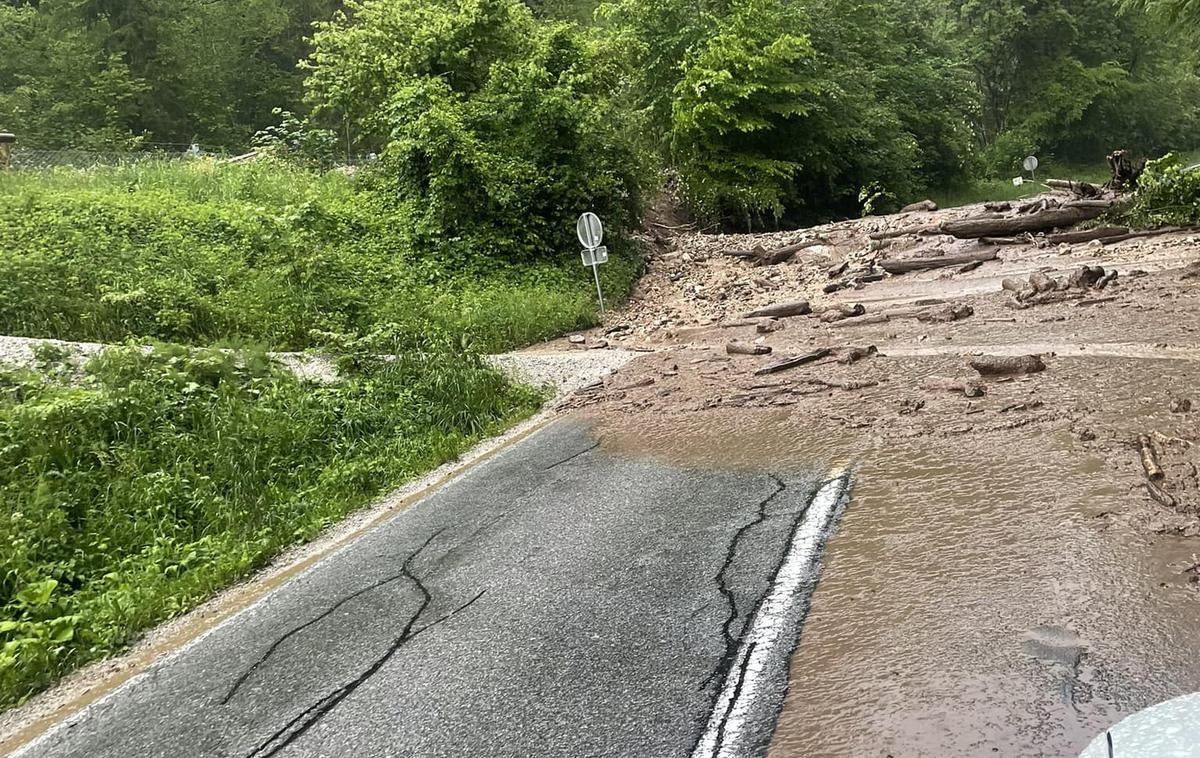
[(599, 292)]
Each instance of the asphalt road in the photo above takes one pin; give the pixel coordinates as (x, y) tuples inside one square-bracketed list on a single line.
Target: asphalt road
[(554, 601)]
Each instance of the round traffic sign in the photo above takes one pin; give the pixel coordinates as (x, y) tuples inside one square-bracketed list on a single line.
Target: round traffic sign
[(1031, 163), (590, 230)]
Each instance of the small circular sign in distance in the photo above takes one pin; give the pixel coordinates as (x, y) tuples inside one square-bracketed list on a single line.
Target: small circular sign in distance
[(1031, 163)]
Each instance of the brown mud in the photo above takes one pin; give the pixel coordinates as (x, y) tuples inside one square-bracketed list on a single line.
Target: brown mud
[(1005, 581)]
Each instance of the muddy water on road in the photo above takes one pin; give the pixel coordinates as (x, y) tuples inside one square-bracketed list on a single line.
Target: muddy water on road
[(974, 601)]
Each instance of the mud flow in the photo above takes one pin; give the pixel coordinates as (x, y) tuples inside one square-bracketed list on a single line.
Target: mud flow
[(998, 584)]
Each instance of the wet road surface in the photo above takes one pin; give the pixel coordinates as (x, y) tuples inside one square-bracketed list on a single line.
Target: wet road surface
[(558, 600)]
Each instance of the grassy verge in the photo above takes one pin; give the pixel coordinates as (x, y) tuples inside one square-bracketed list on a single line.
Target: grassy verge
[(1003, 189), (202, 253), (134, 492)]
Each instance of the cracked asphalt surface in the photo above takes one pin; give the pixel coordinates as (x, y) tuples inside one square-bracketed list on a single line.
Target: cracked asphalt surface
[(556, 600)]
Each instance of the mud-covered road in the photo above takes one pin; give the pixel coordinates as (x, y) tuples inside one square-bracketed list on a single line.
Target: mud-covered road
[(1007, 579)]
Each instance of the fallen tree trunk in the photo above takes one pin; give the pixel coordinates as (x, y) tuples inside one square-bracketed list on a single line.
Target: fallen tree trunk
[(904, 266), (1142, 233), (799, 360), (1083, 189), (746, 348), (1087, 235), (924, 205), (760, 257), (1053, 218), (782, 310), (998, 365)]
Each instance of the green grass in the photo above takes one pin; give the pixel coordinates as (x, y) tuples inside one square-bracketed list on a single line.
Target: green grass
[(133, 492), (205, 254), (1003, 189), (160, 478)]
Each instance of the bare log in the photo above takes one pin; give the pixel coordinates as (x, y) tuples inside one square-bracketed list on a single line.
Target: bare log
[(1087, 235), (974, 228), (945, 313), (995, 365), (906, 265), (1083, 189), (968, 387), (761, 257), (998, 207), (746, 348), (874, 318), (904, 231), (924, 205), (1040, 282), (1004, 240), (1154, 472), (781, 310), (1142, 233), (799, 360), (768, 325)]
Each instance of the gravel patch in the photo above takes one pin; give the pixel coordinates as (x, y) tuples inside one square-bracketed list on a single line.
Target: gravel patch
[(561, 372)]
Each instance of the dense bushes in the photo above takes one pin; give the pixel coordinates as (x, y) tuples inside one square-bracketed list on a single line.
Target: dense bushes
[(1168, 193), (496, 130), (162, 476), (202, 253)]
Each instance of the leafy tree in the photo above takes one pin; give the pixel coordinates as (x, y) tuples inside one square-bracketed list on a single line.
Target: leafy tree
[(495, 130)]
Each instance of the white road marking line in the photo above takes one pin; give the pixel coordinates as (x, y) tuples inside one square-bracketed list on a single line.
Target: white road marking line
[(770, 636)]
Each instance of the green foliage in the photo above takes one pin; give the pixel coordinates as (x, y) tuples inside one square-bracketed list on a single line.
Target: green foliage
[(1168, 193), (204, 253), (740, 89), (1074, 79), (105, 74), (166, 475), (496, 130)]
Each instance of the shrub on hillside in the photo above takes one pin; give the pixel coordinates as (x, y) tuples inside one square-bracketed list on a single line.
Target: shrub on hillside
[(496, 130)]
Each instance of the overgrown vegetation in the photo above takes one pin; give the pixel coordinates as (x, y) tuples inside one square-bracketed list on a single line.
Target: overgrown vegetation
[(497, 118), (202, 253), (1168, 193), (157, 478)]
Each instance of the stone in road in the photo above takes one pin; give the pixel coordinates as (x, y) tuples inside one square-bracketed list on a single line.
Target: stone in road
[(554, 601)]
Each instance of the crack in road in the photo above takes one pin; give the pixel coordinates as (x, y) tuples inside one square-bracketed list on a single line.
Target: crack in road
[(309, 717), (241, 680), (731, 642), (573, 456)]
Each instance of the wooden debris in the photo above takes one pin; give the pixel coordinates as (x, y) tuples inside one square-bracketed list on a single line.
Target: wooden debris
[(1125, 171), (790, 363), (782, 310), (1005, 240), (874, 318), (999, 365), (849, 355), (1082, 189), (577, 339), (1087, 235), (842, 311), (1154, 471), (760, 257), (1000, 207), (1051, 218), (904, 231), (969, 267), (924, 205), (968, 387), (768, 325), (945, 313), (906, 265), (734, 347)]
